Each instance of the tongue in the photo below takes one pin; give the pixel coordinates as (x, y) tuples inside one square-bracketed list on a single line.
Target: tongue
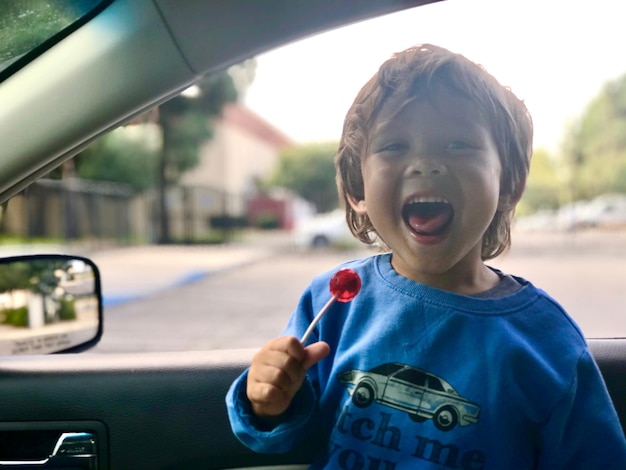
[(431, 221)]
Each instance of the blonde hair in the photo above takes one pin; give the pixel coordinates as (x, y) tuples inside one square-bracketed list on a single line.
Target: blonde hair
[(412, 72)]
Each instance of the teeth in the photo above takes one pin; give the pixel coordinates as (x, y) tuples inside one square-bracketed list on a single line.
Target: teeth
[(417, 200)]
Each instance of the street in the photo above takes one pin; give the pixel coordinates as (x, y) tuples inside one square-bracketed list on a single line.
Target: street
[(245, 306), (239, 308)]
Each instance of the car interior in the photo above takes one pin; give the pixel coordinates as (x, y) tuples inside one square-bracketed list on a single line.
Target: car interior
[(154, 410)]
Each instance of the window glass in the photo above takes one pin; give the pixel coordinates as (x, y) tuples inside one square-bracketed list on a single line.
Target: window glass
[(564, 60), (435, 384), (27, 24), (413, 376), (386, 369), (244, 240)]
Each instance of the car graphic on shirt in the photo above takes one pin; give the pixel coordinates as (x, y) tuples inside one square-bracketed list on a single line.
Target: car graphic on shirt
[(421, 394)]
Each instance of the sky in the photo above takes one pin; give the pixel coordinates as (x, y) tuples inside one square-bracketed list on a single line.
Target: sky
[(554, 54)]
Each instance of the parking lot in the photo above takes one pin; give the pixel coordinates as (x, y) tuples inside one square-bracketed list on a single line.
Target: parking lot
[(584, 270), (243, 305)]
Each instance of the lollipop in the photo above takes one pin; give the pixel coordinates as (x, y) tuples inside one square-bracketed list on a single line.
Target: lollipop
[(344, 286)]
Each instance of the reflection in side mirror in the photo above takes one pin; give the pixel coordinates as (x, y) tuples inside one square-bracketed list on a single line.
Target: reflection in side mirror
[(49, 304)]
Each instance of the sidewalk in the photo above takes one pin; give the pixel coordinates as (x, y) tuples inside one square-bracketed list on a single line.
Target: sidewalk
[(132, 273), (135, 272)]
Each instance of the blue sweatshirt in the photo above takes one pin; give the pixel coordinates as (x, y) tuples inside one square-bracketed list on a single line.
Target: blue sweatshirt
[(418, 377)]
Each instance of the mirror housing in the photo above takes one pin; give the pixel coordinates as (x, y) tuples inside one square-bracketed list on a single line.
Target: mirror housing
[(49, 304)]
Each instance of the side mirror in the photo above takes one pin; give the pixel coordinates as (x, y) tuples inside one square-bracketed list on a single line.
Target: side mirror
[(49, 304)]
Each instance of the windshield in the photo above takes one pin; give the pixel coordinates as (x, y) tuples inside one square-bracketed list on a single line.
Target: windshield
[(28, 25)]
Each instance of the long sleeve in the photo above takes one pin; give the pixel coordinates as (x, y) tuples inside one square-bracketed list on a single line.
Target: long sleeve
[(419, 376), (279, 439), (300, 419), (583, 431)]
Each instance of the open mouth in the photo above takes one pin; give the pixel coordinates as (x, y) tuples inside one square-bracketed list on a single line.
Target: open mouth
[(428, 216)]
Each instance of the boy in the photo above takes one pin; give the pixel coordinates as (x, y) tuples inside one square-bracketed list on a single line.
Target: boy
[(440, 361)]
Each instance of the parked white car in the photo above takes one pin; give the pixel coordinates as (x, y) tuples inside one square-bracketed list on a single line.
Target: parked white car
[(608, 210), (605, 211), (542, 220), (325, 230)]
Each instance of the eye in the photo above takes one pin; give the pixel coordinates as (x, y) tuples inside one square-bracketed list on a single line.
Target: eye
[(459, 145), (393, 147)]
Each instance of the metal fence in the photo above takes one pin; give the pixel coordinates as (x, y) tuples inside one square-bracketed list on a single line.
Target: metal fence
[(74, 209)]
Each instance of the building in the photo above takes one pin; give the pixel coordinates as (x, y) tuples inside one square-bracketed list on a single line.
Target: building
[(244, 150)]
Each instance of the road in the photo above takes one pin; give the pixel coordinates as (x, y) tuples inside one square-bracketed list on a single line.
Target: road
[(585, 272), (239, 308), (244, 307)]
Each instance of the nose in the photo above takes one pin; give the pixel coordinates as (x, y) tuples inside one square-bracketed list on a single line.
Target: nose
[(427, 166)]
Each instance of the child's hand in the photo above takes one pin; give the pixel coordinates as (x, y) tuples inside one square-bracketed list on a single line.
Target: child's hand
[(277, 372)]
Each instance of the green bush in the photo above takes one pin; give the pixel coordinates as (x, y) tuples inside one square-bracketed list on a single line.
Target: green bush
[(267, 221), (67, 310), (227, 222), (16, 316)]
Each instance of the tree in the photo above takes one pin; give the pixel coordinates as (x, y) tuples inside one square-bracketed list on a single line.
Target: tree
[(116, 157), (309, 171), (14, 276), (543, 188), (185, 123), (595, 150), (38, 276)]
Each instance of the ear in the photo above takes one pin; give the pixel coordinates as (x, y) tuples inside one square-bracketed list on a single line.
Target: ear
[(358, 205), (507, 202)]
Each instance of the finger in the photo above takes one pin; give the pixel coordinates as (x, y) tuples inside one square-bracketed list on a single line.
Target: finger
[(293, 350), (267, 400), (279, 363), (277, 368), (265, 394), (290, 345), (315, 353)]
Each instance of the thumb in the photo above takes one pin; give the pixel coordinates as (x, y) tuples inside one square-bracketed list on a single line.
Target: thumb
[(315, 353)]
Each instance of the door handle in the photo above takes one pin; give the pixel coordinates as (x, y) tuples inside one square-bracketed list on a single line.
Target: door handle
[(78, 449)]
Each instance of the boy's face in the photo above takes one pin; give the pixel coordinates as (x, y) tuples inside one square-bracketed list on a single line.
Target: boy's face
[(431, 188)]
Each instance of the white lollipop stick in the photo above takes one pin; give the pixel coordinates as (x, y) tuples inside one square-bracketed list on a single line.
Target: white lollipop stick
[(344, 285), (317, 319)]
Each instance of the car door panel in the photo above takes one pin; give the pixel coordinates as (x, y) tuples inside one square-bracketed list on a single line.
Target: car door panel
[(160, 410), (610, 354), (166, 410)]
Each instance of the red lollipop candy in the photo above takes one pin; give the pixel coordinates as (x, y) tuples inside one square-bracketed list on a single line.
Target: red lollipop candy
[(344, 286)]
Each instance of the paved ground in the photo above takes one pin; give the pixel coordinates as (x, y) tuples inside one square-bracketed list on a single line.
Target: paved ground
[(557, 262), (129, 273), (584, 271), (239, 308), (132, 272), (136, 272)]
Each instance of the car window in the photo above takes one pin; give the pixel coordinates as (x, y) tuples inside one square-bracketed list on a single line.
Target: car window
[(569, 230), (252, 211), (413, 376), (31, 25), (435, 384), (387, 369)]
